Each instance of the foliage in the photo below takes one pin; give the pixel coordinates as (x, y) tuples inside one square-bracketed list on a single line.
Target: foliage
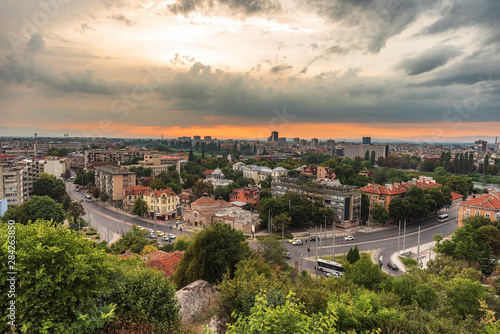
[(271, 251), (380, 214), (353, 255), (38, 207), (75, 209), (148, 249), (49, 185), (365, 207), (140, 207), (134, 240), (213, 251), (364, 273), (57, 270)]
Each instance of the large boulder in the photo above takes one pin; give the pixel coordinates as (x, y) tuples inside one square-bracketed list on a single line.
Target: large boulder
[(195, 300)]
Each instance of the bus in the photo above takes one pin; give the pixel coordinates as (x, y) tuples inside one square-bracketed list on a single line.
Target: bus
[(443, 218), (88, 198), (329, 266)]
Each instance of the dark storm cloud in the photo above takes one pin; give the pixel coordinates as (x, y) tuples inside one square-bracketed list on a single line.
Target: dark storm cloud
[(332, 97), (247, 7), (280, 68), (375, 20), (469, 71), (36, 44), (466, 13), (429, 60)]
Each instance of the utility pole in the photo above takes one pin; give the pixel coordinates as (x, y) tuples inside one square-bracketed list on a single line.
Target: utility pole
[(333, 239), (399, 234), (300, 262), (404, 236), (318, 240), (282, 229), (418, 247), (325, 227), (316, 246), (108, 237)]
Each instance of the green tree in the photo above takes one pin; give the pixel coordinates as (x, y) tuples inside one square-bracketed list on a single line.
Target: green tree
[(365, 207), (212, 253), (367, 155), (104, 197), (364, 273), (459, 184), (272, 251), (353, 255), (372, 158), (380, 214), (76, 210), (486, 164), (53, 262), (140, 207), (134, 240)]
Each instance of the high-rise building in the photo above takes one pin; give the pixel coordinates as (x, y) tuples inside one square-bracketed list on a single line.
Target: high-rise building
[(281, 141), (207, 138), (303, 142), (367, 140), (196, 138), (480, 146), (314, 142), (296, 141), (274, 136)]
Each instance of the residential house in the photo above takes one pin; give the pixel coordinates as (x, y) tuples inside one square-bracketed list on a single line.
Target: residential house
[(487, 205), (112, 180)]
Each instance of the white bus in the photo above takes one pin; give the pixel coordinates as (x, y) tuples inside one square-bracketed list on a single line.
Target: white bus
[(329, 266), (443, 218), (88, 198)]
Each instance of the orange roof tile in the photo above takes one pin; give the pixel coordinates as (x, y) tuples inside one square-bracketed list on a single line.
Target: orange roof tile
[(167, 263), (488, 201)]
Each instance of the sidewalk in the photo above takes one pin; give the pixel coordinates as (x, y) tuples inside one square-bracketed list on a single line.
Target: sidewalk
[(426, 254)]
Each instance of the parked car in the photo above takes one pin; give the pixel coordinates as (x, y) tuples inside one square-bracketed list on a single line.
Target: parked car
[(160, 234), (297, 242), (313, 238), (393, 266), (151, 231), (152, 235), (349, 237), (292, 240), (179, 218), (286, 254), (171, 236), (334, 274), (165, 238)]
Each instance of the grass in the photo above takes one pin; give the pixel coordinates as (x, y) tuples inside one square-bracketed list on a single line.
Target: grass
[(408, 262), (340, 258), (274, 236)]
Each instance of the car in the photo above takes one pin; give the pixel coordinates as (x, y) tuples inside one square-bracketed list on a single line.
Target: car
[(179, 218), (152, 235), (171, 236), (393, 266), (297, 242), (165, 238), (334, 274), (349, 237), (287, 255), (160, 234), (81, 200), (292, 240), (151, 231), (141, 228), (313, 238)]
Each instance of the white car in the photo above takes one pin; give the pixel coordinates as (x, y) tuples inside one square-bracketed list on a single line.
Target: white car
[(349, 237), (334, 274), (171, 236), (297, 242)]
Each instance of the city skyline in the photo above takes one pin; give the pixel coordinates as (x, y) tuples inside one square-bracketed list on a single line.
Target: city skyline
[(396, 70)]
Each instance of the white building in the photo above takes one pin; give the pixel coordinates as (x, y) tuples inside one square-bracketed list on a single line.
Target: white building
[(55, 166)]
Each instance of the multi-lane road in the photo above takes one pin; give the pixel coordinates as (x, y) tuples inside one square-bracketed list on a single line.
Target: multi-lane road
[(110, 220), (384, 242)]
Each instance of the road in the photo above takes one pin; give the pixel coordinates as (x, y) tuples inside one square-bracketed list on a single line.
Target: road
[(108, 219), (385, 242)]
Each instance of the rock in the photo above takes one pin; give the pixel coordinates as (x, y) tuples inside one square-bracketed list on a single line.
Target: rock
[(195, 300), (218, 324)]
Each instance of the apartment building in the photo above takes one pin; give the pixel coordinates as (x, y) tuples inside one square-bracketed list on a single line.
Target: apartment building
[(113, 180), (132, 193), (31, 173), (487, 206), (250, 194), (383, 195), (159, 163), (56, 166), (11, 185), (345, 200), (162, 203), (115, 155), (359, 150)]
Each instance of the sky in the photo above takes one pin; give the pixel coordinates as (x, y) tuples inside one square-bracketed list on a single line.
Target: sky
[(417, 70)]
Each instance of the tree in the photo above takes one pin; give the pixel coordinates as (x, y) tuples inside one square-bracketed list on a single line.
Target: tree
[(53, 262), (140, 207), (191, 156), (353, 255), (486, 164), (272, 251), (201, 188), (282, 222), (49, 185), (148, 249), (266, 184), (213, 252), (96, 192), (134, 240), (367, 155), (365, 207), (372, 158), (461, 185), (398, 209), (104, 197), (364, 273), (76, 210), (380, 214)]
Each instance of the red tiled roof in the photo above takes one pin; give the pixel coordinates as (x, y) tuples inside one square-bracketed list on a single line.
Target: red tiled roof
[(154, 255), (399, 188), (204, 201), (137, 190), (488, 201), (158, 193), (127, 255), (167, 263), (4, 156), (455, 196)]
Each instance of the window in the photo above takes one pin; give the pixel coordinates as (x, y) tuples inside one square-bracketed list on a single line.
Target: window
[(497, 216), (477, 213), (467, 212), (487, 214)]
